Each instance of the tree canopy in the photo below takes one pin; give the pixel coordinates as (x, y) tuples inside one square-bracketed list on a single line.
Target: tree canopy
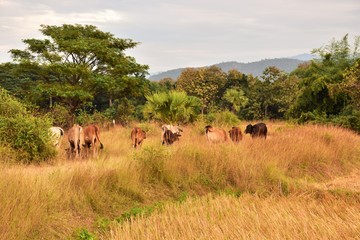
[(79, 70), (80, 64)]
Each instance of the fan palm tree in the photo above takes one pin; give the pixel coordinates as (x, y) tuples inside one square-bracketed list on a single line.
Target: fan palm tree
[(172, 107)]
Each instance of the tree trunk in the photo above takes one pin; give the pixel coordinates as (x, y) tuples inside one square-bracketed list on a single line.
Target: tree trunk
[(51, 101)]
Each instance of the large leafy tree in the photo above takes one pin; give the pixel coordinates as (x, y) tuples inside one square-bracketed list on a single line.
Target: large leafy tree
[(207, 84), (321, 76), (74, 60), (351, 84), (278, 92)]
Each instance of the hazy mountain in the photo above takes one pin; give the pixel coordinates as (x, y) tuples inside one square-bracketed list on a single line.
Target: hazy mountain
[(304, 57), (254, 68)]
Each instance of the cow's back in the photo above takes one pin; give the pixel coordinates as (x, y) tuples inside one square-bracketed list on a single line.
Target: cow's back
[(169, 137), (235, 134), (260, 130), (74, 139), (74, 133), (137, 136), (56, 133), (215, 135)]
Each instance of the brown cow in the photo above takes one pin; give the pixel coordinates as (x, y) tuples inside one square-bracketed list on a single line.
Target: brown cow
[(137, 136), (169, 137), (74, 138), (235, 134), (257, 130), (215, 134), (90, 139)]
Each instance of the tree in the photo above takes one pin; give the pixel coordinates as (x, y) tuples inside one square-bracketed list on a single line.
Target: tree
[(351, 84), (236, 98), (76, 58), (167, 84), (321, 76), (172, 107), (207, 84), (236, 79), (278, 92)]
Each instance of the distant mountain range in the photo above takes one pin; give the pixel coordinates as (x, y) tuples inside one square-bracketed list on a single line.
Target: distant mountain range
[(254, 68)]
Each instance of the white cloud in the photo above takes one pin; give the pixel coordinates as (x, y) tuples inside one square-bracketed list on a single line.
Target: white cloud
[(185, 33)]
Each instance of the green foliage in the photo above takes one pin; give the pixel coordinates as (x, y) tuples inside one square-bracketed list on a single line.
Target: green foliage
[(348, 118), (25, 134), (122, 111), (351, 84), (312, 117), (223, 118), (83, 117), (139, 211), (321, 77), (9, 106), (76, 65), (166, 84), (236, 98), (83, 234), (151, 162), (329, 87), (134, 212), (207, 84), (61, 116), (171, 107)]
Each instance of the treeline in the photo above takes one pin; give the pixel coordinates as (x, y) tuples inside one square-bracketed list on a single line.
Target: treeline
[(79, 73)]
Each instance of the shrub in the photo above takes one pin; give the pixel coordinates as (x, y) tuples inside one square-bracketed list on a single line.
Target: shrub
[(222, 118), (61, 116), (84, 234), (27, 136)]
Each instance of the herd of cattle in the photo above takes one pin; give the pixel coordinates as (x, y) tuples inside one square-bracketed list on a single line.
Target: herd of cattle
[(85, 141), (81, 140)]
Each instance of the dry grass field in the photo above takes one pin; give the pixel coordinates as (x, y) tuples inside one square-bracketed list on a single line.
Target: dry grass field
[(302, 182)]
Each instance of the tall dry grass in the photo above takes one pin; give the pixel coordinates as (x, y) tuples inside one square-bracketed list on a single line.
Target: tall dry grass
[(53, 201), (247, 217)]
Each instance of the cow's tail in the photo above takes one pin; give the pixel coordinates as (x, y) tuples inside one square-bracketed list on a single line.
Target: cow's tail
[(61, 132), (237, 134), (167, 137), (97, 137)]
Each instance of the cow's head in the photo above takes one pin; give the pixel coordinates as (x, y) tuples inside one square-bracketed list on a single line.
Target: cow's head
[(208, 128), (249, 129), (144, 134), (176, 136)]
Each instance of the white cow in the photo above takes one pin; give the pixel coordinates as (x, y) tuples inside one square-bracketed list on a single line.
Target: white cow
[(215, 134), (56, 134), (174, 129)]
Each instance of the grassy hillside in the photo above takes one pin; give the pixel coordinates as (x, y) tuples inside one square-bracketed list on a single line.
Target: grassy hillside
[(297, 167), (248, 217)]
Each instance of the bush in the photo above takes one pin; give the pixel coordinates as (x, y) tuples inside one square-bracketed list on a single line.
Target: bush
[(61, 115), (312, 117), (225, 118), (27, 136), (349, 118)]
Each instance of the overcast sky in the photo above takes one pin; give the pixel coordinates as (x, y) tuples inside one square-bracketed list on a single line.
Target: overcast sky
[(191, 33)]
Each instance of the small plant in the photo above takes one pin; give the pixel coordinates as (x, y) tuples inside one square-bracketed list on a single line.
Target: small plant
[(84, 234), (152, 164), (134, 212)]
